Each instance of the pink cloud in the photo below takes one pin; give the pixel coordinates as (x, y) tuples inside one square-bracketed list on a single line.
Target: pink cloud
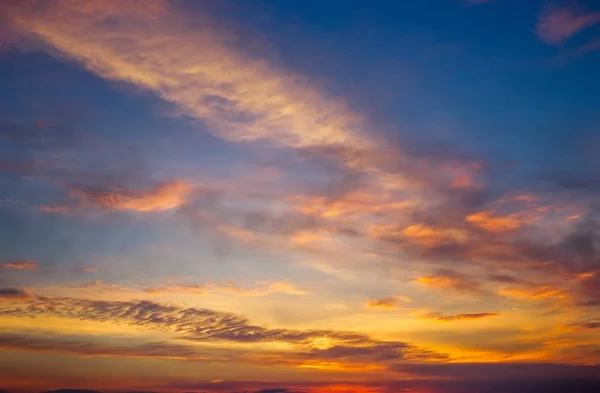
[(557, 25)]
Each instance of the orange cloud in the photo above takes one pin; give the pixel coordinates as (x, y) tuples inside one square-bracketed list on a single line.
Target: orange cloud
[(537, 293), (423, 235), (164, 196), (351, 205), (449, 279), (460, 317), (387, 303), (490, 222), (21, 265), (430, 236)]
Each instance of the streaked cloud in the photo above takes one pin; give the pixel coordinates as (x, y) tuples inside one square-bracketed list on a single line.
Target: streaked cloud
[(242, 99), (262, 289), (589, 324), (20, 265), (459, 317), (536, 293), (210, 326), (67, 345)]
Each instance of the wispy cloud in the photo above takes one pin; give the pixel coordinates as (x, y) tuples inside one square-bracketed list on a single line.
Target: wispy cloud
[(164, 196), (387, 303), (450, 279), (589, 324), (20, 265), (558, 24), (543, 292), (459, 317), (68, 345), (262, 289), (241, 98)]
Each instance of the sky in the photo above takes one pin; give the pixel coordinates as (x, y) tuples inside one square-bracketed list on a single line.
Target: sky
[(300, 196)]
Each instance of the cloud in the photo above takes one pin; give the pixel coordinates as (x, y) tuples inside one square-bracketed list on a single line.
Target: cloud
[(592, 46), (277, 390), (557, 25), (505, 279), (589, 324), (511, 377), (450, 279), (501, 373), (204, 325), (263, 289), (20, 265), (588, 289), (240, 98), (536, 293), (164, 196), (417, 234), (411, 202), (384, 303), (387, 303), (488, 221), (66, 345), (187, 288), (12, 294), (460, 317)]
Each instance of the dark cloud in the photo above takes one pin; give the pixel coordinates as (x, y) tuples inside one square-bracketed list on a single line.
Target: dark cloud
[(590, 324), (579, 251), (537, 382), (272, 391), (589, 290), (512, 371), (376, 351), (13, 293), (71, 391), (505, 279)]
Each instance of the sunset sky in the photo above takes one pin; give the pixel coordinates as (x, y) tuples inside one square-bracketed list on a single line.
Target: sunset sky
[(300, 196)]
